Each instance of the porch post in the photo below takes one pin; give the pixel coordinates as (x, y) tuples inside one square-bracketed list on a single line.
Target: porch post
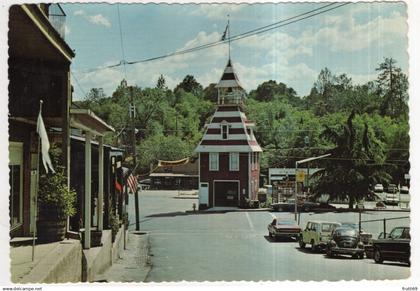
[(88, 194), (101, 183)]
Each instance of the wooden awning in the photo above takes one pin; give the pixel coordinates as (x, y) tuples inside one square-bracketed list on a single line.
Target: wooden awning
[(86, 120)]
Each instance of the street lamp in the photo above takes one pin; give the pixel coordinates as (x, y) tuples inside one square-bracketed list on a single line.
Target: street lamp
[(296, 167)]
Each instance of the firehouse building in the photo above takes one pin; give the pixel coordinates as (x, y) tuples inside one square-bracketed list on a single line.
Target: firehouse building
[(229, 154)]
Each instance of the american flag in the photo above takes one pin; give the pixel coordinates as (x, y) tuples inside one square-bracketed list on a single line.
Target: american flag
[(132, 183)]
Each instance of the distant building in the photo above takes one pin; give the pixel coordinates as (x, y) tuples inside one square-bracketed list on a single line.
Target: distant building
[(176, 175), (229, 155)]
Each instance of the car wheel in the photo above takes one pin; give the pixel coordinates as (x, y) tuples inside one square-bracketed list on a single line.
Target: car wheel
[(306, 209), (362, 256), (329, 253), (377, 257), (301, 243), (313, 247)]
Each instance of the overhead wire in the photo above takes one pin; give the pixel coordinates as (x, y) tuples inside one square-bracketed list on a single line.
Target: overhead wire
[(121, 41), (250, 33)]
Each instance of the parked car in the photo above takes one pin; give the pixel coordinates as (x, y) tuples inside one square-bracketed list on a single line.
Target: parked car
[(365, 237), (345, 241), (393, 247), (392, 188), (280, 228), (289, 205), (378, 188), (392, 199), (317, 234)]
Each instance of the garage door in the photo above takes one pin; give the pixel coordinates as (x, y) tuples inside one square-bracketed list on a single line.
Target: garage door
[(226, 193)]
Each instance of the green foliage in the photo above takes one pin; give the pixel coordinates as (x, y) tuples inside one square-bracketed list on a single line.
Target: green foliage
[(54, 198), (170, 123), (160, 147)]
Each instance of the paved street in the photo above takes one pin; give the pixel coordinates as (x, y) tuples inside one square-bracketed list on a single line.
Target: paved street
[(235, 245)]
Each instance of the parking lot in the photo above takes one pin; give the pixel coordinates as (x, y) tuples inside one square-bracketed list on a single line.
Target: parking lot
[(235, 246)]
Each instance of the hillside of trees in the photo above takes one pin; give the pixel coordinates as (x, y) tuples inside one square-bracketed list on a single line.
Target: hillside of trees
[(364, 127)]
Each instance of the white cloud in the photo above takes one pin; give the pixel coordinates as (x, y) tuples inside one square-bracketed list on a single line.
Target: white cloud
[(344, 34), (67, 30), (79, 12), (361, 79), (99, 19), (279, 47)]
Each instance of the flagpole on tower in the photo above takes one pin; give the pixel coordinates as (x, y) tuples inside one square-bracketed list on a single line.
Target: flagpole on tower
[(228, 27), (37, 185)]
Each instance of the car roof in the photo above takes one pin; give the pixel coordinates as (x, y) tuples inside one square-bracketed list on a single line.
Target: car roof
[(320, 221)]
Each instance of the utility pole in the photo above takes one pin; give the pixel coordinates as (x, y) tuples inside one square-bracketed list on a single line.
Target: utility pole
[(133, 150)]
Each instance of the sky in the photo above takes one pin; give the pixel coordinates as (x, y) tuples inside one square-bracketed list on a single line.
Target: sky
[(352, 39)]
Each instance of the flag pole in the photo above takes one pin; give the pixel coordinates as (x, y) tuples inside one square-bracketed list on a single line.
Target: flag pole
[(228, 25), (37, 187)]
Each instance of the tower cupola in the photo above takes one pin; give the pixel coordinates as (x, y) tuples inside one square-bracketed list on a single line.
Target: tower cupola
[(229, 89)]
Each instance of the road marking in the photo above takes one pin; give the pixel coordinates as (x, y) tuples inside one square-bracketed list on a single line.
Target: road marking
[(249, 221)]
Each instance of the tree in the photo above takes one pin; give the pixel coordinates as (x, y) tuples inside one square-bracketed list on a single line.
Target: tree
[(160, 147), (161, 83), (356, 162), (190, 84), (392, 87), (210, 93), (270, 90)]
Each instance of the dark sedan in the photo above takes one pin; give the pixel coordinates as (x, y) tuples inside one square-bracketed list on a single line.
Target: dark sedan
[(289, 205), (279, 228), (394, 247), (345, 241)]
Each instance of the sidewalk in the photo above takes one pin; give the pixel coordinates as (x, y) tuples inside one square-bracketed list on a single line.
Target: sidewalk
[(49, 260), (133, 264)]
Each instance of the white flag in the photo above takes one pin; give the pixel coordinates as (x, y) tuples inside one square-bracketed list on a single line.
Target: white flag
[(45, 143)]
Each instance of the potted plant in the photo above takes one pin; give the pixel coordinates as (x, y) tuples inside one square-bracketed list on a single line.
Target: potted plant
[(55, 202), (114, 224)]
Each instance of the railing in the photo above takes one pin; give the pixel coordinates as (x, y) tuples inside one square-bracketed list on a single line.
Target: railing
[(232, 98), (383, 220)]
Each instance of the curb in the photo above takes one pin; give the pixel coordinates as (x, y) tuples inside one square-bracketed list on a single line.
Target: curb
[(338, 210), (227, 210), (185, 197)]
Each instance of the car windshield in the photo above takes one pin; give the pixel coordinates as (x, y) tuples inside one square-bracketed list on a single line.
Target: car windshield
[(327, 227), (286, 222), (350, 225), (397, 232), (345, 232)]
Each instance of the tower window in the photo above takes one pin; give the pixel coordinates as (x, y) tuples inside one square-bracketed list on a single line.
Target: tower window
[(225, 131)]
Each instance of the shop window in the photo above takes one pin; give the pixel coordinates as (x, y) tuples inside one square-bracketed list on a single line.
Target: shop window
[(16, 183)]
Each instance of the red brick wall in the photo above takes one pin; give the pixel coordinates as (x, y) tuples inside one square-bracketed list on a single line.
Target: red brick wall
[(224, 173)]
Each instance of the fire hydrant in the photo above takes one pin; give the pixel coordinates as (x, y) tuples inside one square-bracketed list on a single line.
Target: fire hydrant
[(194, 206)]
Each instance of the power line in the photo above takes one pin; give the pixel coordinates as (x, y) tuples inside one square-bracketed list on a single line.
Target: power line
[(250, 33), (78, 84), (121, 40)]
